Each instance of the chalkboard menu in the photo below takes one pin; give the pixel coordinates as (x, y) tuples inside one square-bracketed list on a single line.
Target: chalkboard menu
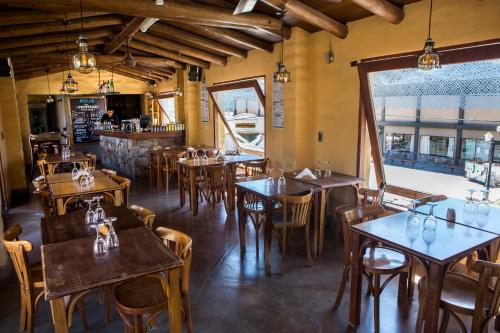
[(85, 111)]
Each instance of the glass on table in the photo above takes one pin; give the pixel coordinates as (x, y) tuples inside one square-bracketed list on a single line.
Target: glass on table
[(90, 216), (413, 223), (99, 211), (112, 241), (470, 208), (483, 209), (100, 247), (317, 169), (328, 171), (281, 179), (270, 178), (429, 226), (74, 172)]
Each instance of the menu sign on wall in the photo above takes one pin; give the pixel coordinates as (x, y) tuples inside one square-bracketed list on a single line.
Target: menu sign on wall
[(278, 114), (85, 111), (205, 111)]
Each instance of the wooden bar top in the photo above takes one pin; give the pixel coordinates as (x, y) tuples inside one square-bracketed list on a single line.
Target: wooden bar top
[(140, 135)]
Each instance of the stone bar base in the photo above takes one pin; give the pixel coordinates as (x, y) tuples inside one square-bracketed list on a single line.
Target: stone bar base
[(130, 157)]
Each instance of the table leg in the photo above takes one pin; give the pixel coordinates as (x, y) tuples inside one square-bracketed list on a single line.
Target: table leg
[(60, 206), (193, 191), (322, 215), (435, 277), (118, 197), (59, 317), (268, 234), (315, 233), (158, 173), (230, 179), (356, 280), (241, 221), (180, 179), (174, 301)]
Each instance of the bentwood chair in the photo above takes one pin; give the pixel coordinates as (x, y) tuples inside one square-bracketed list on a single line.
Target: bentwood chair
[(31, 283), (296, 214), (125, 185), (171, 166), (147, 216), (110, 173), (213, 186), (463, 295), (43, 194), (92, 161), (252, 168), (145, 296), (377, 261), (42, 167), (155, 159)]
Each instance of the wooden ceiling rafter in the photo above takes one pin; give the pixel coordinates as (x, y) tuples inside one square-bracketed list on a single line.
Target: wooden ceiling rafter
[(30, 16), (383, 8), (140, 71), (127, 32), (48, 48), (131, 75)]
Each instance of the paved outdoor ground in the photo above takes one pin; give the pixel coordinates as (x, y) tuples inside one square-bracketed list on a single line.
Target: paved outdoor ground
[(432, 182)]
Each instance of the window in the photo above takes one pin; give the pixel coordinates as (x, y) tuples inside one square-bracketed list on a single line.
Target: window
[(437, 145), (477, 150), (398, 142), (168, 110)]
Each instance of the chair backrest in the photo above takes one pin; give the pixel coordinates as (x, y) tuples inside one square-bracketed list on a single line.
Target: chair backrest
[(18, 250), (182, 245), (42, 166), (42, 192), (215, 174), (433, 198), (355, 216), (125, 185), (297, 209), (489, 277), (255, 168), (93, 160), (147, 216), (110, 173), (371, 197), (171, 160)]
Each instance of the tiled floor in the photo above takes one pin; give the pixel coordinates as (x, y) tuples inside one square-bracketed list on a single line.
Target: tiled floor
[(227, 294)]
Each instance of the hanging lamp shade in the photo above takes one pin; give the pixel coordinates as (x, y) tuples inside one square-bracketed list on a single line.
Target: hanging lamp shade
[(71, 84), (50, 100), (83, 60), (282, 75), (430, 58), (178, 92)]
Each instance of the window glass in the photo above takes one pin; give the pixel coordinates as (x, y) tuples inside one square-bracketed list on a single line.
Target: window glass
[(437, 145), (168, 106), (397, 142)]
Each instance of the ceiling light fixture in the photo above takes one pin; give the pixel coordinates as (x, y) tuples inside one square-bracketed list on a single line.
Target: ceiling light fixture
[(64, 89), (159, 2), (282, 75), (430, 58), (70, 85), (50, 99), (83, 61), (147, 23)]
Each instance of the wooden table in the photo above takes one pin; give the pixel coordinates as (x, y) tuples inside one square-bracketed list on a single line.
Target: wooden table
[(67, 177), (193, 168), (327, 185), (453, 241), (53, 160), (57, 229), (62, 192), (268, 194), (70, 268)]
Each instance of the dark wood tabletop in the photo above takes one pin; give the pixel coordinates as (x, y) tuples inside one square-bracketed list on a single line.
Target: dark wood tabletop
[(68, 177), (441, 209), (453, 241), (70, 267), (228, 159), (336, 180), (76, 156), (261, 189), (62, 228)]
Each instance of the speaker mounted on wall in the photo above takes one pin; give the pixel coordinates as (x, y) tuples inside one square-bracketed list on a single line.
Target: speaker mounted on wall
[(195, 73)]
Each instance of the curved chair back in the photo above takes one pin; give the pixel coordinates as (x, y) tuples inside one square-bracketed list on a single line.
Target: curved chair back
[(182, 245), (147, 216), (92, 160), (255, 168), (297, 208), (110, 173), (125, 185), (42, 167), (371, 197)]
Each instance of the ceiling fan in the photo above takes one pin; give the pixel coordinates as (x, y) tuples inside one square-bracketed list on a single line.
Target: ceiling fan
[(246, 6), (129, 61)]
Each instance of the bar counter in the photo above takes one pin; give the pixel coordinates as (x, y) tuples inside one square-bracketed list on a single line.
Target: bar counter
[(128, 153)]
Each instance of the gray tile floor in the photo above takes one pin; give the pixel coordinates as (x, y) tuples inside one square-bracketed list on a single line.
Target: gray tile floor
[(227, 294)]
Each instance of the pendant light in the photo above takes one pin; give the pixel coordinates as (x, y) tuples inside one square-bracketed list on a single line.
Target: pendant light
[(50, 100), (64, 89), (149, 93), (83, 61), (70, 83), (282, 75), (430, 58)]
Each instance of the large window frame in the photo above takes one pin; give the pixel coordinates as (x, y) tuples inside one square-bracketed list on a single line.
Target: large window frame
[(477, 51)]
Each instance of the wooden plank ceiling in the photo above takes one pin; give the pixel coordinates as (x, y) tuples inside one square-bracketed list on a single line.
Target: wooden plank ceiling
[(189, 32)]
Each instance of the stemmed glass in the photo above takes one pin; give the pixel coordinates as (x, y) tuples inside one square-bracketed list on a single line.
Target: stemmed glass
[(196, 158), (328, 170), (281, 179), (430, 225), (470, 208), (100, 247), (270, 178), (74, 172), (99, 211), (204, 157), (112, 241), (413, 223), (483, 209), (317, 170), (90, 216)]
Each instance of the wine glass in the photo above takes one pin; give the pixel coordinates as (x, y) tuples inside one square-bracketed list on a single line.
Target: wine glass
[(90, 216), (470, 208), (483, 209), (328, 170), (430, 225), (112, 241), (270, 178), (413, 223), (99, 211), (204, 157), (100, 246), (317, 170), (196, 158), (74, 172), (281, 179)]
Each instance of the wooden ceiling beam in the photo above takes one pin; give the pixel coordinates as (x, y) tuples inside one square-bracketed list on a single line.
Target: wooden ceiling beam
[(165, 30), (179, 48), (383, 8), (162, 71), (30, 16), (13, 43), (171, 10), (131, 75), (310, 15), (38, 49), (39, 72), (36, 29), (240, 38), (127, 32), (168, 54), (137, 71)]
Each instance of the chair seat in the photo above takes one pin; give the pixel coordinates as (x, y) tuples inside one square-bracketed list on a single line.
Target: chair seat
[(378, 259), (140, 293), (459, 293)]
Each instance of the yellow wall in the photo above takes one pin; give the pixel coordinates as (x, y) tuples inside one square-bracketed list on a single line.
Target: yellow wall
[(325, 97)]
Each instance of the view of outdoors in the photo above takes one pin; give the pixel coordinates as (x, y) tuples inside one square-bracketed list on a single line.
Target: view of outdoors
[(432, 126), (245, 115), (168, 106)]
